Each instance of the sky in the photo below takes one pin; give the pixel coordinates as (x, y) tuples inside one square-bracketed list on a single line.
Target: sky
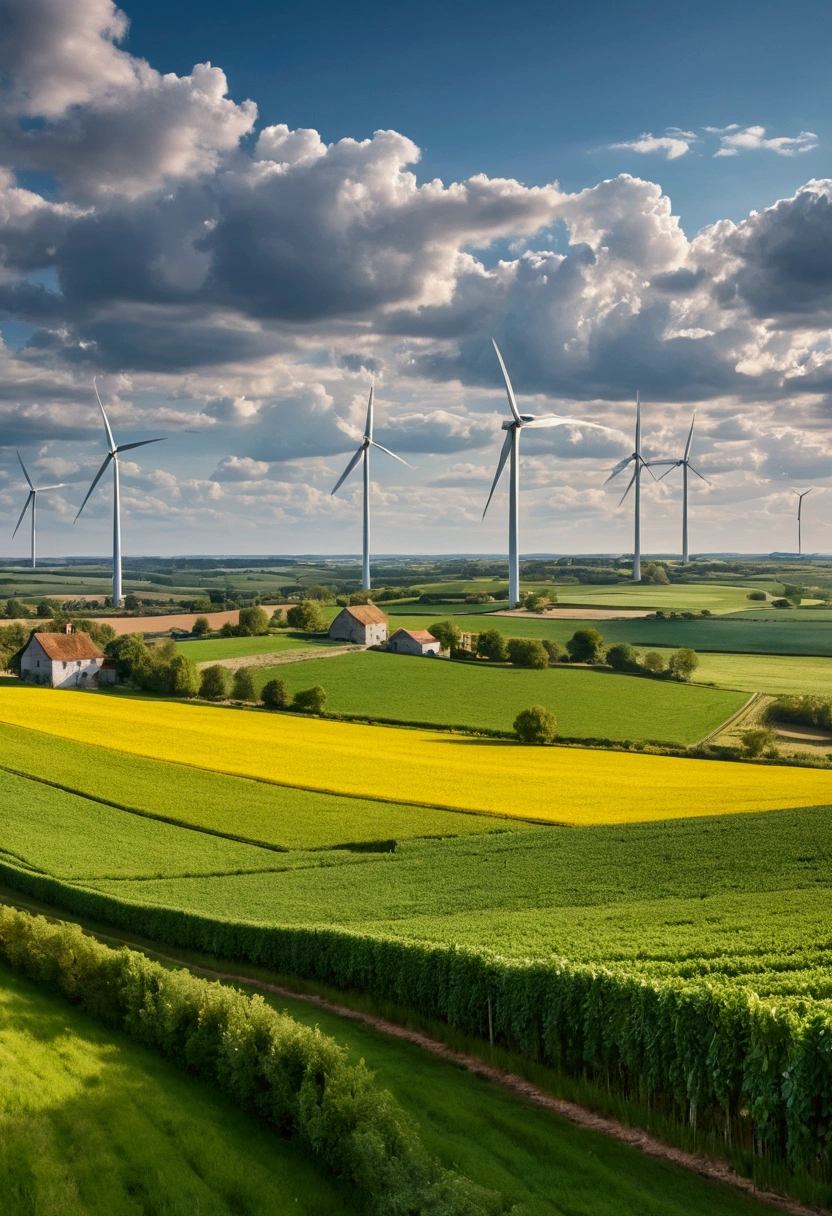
[(235, 216)]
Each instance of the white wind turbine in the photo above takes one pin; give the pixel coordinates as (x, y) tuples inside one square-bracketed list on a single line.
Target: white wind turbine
[(364, 451), (32, 499), (684, 464), (800, 498), (511, 446), (639, 463), (113, 455)]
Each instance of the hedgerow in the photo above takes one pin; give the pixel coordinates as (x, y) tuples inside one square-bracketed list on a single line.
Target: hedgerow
[(297, 1078)]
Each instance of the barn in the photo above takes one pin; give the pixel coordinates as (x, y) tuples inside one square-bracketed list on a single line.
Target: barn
[(363, 624), (414, 641), (65, 660)]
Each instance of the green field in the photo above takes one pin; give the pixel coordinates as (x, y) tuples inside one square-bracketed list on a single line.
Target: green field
[(772, 673), (588, 703), (92, 1124), (213, 650)]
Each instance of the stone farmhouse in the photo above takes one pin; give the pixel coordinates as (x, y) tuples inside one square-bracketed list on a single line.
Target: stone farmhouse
[(363, 624), (414, 641), (65, 660)]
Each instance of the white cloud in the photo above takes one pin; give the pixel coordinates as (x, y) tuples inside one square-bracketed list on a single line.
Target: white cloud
[(735, 139), (673, 144)]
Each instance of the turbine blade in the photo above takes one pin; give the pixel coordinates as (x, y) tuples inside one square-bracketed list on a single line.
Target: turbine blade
[(627, 491), (59, 486), (690, 435), (638, 422), (128, 447), (29, 498), (368, 426), (698, 474), (619, 468), (98, 477), (381, 448), (509, 390), (501, 464), (104, 416), (562, 420), (349, 469), (655, 462), (23, 467), (673, 466)]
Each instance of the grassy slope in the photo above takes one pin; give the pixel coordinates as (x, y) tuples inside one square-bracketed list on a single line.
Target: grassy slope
[(92, 1124), (588, 704), (767, 673), (211, 650)]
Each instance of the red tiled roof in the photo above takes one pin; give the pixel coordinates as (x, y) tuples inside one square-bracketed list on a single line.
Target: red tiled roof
[(418, 635), (69, 646), (367, 614)]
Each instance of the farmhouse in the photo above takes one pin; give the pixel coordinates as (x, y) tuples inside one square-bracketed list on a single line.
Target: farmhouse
[(414, 641), (65, 660), (361, 623)]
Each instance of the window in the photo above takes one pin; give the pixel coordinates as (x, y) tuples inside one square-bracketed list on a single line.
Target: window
[(64, 664)]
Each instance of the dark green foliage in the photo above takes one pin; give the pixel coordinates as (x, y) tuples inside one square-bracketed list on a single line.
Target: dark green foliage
[(756, 595), (183, 678), (586, 646), (811, 711), (557, 653), (756, 740), (243, 689), (623, 657), (310, 700), (447, 634), (527, 652), (306, 616), (536, 725), (216, 683), (492, 645), (781, 603), (654, 662), (12, 639), (682, 664), (255, 621), (128, 650), (201, 626), (15, 608), (274, 694)]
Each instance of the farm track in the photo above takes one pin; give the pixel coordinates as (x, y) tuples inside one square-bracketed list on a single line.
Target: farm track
[(277, 658), (635, 1138)]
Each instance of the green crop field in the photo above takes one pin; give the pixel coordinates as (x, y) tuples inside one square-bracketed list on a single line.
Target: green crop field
[(772, 673), (213, 650), (679, 597), (92, 1124), (588, 703)]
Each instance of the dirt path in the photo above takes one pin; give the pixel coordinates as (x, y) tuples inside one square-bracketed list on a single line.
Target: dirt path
[(276, 658), (576, 614)]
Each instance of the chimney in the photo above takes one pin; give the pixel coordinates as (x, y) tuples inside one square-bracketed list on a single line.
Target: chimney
[(68, 627)]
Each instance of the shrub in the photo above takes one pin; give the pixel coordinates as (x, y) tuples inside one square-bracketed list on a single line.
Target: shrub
[(556, 652), (527, 652), (586, 646), (12, 639), (536, 725), (183, 677), (243, 689), (310, 700), (127, 650), (623, 657), (201, 626), (15, 608), (46, 608), (216, 683), (654, 662), (682, 664), (481, 597), (781, 603), (756, 595), (811, 711), (534, 602), (275, 695), (360, 597), (255, 620), (447, 634), (491, 645), (756, 740), (306, 616), (278, 620)]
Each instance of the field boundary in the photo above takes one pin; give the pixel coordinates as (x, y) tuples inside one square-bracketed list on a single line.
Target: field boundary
[(739, 713)]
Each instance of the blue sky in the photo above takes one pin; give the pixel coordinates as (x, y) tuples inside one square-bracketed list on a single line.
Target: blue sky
[(234, 215)]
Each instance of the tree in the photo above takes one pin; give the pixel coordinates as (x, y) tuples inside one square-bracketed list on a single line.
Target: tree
[(683, 664), (360, 597), (201, 626), (278, 620), (492, 645), (306, 616), (131, 602), (183, 677), (756, 595), (654, 662), (756, 741), (310, 700), (556, 652), (255, 620), (274, 695), (216, 683), (244, 685), (534, 601), (46, 609), (447, 634), (15, 608), (536, 725), (586, 646), (623, 657), (127, 650), (527, 652), (203, 604)]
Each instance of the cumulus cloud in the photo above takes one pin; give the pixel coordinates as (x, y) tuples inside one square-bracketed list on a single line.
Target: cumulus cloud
[(673, 144), (735, 139)]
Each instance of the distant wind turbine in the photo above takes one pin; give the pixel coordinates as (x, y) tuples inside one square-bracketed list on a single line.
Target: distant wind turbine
[(638, 463), (800, 498), (684, 464), (113, 455), (511, 446), (364, 451), (32, 498)]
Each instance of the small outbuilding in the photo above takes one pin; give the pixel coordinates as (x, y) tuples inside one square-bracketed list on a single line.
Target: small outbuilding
[(363, 624), (65, 660), (414, 641)]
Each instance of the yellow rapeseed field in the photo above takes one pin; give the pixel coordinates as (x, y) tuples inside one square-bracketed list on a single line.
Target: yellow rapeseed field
[(565, 785)]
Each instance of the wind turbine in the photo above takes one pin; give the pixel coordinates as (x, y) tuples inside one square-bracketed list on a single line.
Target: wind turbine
[(364, 450), (113, 455), (684, 464), (639, 463), (511, 446), (800, 498), (32, 497)]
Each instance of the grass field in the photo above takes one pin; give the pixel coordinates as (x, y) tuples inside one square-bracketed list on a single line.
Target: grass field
[(772, 673), (212, 650), (92, 1124), (588, 704), (568, 785), (678, 597)]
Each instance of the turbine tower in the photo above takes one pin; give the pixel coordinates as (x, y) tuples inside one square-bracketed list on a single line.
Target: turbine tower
[(684, 464), (511, 446), (32, 498), (113, 455), (800, 498), (638, 463), (364, 451)]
